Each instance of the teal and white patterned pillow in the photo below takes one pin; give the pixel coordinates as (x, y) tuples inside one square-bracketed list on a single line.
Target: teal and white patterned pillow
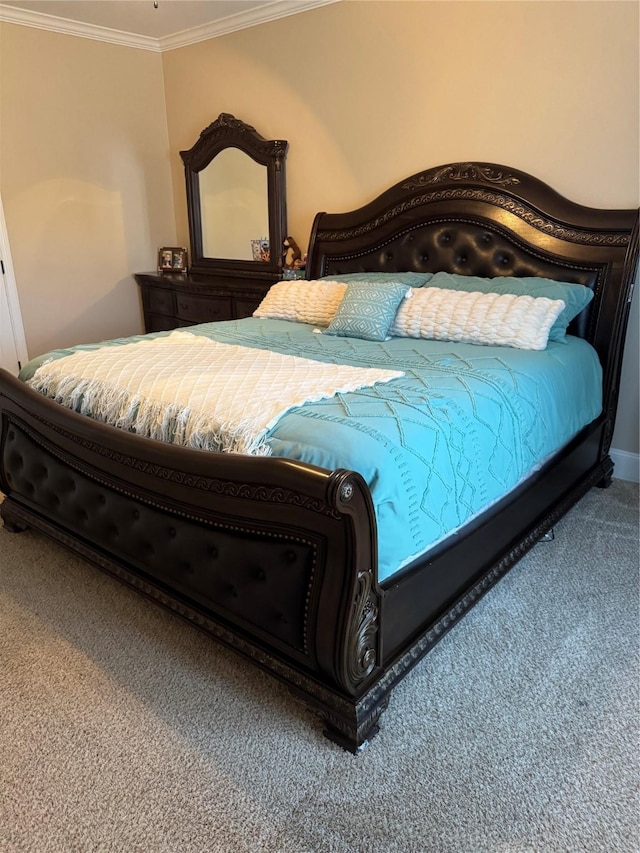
[(367, 310)]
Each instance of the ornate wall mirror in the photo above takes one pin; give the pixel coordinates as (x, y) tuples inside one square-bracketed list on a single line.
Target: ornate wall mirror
[(236, 200)]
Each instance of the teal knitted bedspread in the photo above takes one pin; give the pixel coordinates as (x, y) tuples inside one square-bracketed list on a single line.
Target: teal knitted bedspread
[(462, 427)]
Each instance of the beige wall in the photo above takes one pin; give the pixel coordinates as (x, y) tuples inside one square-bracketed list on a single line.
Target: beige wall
[(85, 181), (367, 93)]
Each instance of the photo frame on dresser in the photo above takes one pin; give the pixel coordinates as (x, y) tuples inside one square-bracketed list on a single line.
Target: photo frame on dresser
[(172, 259)]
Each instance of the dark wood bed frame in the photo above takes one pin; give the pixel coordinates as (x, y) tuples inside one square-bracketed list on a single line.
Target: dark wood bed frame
[(277, 559)]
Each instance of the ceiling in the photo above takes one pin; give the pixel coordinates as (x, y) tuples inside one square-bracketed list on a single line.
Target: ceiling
[(139, 23)]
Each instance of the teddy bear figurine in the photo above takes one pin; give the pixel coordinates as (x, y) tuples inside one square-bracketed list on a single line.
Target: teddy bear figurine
[(290, 253)]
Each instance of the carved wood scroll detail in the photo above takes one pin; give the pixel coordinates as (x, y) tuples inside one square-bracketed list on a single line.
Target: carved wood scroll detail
[(461, 172), (227, 124), (363, 630)]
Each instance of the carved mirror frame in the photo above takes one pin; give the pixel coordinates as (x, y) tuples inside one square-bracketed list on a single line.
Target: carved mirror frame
[(229, 132)]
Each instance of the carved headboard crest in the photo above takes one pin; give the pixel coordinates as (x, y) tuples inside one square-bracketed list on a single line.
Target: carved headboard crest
[(461, 172)]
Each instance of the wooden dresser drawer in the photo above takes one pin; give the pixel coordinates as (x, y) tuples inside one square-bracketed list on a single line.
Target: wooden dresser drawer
[(202, 309), (160, 301), (172, 301), (159, 323)]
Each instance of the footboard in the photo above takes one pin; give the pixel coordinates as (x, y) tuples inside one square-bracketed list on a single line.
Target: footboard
[(274, 558)]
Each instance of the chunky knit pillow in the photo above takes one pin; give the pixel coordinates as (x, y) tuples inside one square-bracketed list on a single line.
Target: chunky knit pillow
[(575, 296), (494, 319), (367, 310), (314, 302)]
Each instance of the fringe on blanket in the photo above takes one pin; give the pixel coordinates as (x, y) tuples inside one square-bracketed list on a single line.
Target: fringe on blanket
[(170, 422)]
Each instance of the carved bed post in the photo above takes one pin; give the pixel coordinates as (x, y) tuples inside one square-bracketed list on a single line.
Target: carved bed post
[(358, 641)]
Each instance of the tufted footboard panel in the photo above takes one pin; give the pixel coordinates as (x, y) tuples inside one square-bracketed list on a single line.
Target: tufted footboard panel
[(262, 579)]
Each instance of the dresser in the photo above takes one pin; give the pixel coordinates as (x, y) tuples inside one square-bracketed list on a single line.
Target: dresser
[(170, 301)]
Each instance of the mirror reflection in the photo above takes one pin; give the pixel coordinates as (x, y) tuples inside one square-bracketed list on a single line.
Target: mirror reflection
[(234, 205)]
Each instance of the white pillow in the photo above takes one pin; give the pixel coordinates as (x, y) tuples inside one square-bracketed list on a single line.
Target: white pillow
[(494, 319), (314, 302)]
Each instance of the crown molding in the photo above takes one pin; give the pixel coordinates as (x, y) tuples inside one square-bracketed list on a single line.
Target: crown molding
[(271, 11), (40, 21)]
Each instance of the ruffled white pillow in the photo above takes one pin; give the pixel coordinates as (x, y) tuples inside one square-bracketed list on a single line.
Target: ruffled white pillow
[(314, 302), (493, 319)]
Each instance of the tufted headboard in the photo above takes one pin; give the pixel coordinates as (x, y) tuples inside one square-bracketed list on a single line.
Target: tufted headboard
[(489, 220)]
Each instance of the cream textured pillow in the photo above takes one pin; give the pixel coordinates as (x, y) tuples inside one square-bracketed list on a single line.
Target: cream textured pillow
[(314, 302), (494, 319)]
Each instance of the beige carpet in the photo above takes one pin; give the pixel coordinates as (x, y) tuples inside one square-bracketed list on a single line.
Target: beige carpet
[(122, 729)]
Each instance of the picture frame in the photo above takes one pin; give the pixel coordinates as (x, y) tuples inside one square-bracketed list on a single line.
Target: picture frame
[(260, 250), (172, 259)]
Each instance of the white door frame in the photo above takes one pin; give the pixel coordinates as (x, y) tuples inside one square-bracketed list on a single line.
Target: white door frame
[(8, 282)]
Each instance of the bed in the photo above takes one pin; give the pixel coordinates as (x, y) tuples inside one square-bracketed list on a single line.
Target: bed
[(291, 559)]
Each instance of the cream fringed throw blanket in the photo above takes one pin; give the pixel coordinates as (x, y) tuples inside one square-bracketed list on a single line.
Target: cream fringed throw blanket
[(191, 391)]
